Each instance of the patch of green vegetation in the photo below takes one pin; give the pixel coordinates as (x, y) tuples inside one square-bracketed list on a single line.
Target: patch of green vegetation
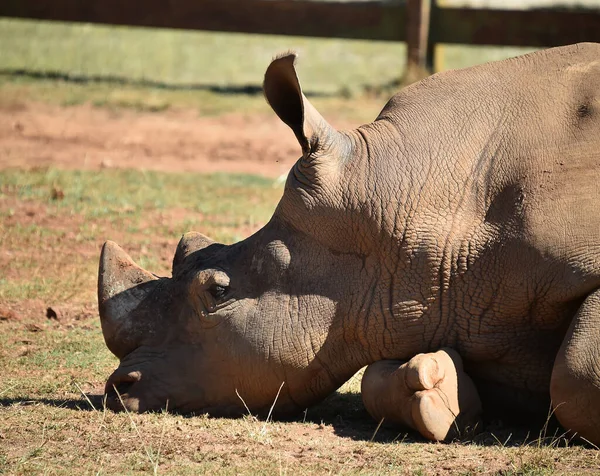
[(52, 253), (176, 57), (463, 56), (131, 193), (78, 350), (153, 70), (16, 92), (44, 360), (28, 288)]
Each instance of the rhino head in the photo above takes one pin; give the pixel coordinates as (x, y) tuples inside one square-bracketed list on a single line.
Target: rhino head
[(285, 306)]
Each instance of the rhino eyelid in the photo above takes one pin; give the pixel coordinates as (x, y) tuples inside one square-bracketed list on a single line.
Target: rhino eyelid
[(219, 292)]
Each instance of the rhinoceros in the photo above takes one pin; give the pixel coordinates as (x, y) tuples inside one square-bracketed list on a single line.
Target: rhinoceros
[(452, 246)]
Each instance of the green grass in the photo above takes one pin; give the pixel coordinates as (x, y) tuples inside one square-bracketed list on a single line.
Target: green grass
[(18, 92), (56, 247), (126, 195), (159, 65), (154, 70), (49, 256), (175, 57), (50, 359), (182, 57)]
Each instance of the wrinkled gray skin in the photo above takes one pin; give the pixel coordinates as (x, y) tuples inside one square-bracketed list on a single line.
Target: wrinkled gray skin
[(466, 216)]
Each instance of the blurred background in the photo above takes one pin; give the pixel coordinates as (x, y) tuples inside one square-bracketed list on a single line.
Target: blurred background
[(442, 35)]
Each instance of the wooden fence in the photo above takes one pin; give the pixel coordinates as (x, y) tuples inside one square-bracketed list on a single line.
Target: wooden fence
[(421, 23)]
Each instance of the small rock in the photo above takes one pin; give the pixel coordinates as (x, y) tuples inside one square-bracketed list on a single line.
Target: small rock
[(51, 314)]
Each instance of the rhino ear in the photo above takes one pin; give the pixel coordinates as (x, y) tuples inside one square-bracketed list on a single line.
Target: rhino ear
[(284, 94)]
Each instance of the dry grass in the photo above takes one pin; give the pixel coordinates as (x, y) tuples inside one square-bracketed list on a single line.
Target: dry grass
[(50, 245), (53, 222), (52, 371), (55, 435)]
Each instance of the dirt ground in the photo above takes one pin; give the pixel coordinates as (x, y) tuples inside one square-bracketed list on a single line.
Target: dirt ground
[(38, 135), (38, 433), (171, 141)]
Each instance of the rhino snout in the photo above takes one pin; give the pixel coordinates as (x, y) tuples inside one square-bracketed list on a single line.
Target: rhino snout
[(119, 392)]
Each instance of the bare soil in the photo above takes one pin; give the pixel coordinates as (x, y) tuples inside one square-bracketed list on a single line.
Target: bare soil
[(85, 137)]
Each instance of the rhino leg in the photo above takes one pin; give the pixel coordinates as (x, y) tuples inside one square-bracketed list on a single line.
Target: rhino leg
[(575, 384), (430, 393)]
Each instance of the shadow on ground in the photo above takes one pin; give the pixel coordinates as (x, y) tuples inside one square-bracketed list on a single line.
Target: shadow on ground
[(346, 413), (247, 89), (349, 419), (82, 404)]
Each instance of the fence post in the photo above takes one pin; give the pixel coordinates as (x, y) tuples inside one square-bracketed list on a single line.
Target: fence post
[(419, 52)]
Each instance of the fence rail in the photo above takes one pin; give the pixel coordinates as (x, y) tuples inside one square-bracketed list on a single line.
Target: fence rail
[(421, 23), (354, 19)]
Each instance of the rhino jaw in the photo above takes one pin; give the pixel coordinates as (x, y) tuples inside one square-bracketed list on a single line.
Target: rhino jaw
[(122, 287)]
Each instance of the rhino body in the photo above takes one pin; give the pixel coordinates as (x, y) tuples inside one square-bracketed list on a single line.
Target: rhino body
[(464, 217)]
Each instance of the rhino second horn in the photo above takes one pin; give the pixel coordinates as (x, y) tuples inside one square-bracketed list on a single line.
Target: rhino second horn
[(122, 286), (189, 243)]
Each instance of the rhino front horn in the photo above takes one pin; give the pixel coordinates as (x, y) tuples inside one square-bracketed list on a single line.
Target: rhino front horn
[(122, 287)]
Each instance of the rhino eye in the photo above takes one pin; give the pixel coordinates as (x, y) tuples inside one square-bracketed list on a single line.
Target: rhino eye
[(218, 292)]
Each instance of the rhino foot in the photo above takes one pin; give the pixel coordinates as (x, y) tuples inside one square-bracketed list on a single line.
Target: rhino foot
[(430, 393), (575, 384)]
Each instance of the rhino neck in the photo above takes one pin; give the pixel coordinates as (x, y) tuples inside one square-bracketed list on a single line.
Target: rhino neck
[(365, 263), (342, 311), (364, 329)]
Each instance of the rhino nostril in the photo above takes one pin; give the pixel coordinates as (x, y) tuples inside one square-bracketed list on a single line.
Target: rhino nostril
[(118, 386)]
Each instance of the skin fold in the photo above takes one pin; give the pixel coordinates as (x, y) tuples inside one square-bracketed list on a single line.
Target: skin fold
[(464, 217)]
